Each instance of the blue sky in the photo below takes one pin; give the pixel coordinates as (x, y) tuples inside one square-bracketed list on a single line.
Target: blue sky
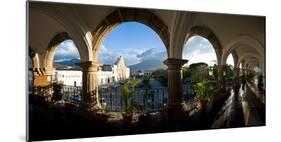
[(66, 50), (136, 43), (199, 49)]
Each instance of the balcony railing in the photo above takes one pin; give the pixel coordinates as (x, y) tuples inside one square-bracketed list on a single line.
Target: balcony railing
[(72, 94), (112, 99)]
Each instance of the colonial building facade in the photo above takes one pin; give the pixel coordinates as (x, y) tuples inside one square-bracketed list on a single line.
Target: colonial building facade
[(106, 74)]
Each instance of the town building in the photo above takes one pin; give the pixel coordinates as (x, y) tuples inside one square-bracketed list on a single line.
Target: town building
[(106, 74)]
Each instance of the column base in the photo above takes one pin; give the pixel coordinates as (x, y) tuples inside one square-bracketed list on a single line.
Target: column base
[(90, 106), (177, 112)]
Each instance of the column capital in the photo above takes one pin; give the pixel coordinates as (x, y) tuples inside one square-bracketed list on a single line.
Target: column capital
[(36, 71), (174, 63), (48, 71), (89, 66)]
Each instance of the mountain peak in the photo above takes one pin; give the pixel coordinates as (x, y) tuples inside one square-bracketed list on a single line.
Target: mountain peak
[(68, 62)]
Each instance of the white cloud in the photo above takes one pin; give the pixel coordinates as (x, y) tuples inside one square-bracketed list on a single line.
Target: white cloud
[(66, 50), (106, 56), (199, 49), (230, 60), (131, 55), (206, 58), (153, 54)]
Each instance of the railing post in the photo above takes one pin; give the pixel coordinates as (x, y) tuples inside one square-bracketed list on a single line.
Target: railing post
[(110, 95), (163, 98), (158, 98), (144, 106), (153, 99), (121, 103)]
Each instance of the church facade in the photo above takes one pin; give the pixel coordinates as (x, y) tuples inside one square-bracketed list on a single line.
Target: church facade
[(106, 74)]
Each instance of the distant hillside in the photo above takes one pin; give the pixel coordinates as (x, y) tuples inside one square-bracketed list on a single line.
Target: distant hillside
[(148, 65), (59, 66), (70, 62), (66, 63)]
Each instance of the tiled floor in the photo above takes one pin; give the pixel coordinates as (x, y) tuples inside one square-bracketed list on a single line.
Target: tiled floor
[(243, 109)]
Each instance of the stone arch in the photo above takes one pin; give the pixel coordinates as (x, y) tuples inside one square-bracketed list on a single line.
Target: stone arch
[(76, 30), (242, 41), (240, 64), (235, 58), (51, 50), (250, 61), (208, 34), (241, 58), (34, 58), (129, 15), (53, 44)]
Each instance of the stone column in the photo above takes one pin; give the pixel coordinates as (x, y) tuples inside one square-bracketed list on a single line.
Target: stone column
[(221, 76), (236, 72), (89, 97), (175, 104)]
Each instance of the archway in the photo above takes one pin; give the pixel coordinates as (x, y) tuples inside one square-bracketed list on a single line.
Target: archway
[(230, 70), (129, 15), (199, 49), (210, 36), (202, 64), (230, 60), (244, 57), (133, 40), (122, 15), (240, 43), (136, 50), (51, 50)]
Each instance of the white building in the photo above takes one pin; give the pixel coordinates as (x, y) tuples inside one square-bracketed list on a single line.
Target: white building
[(106, 74), (68, 77)]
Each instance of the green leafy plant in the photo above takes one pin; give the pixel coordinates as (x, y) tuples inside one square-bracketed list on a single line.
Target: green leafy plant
[(161, 75), (128, 90), (203, 90), (198, 71), (215, 72), (228, 72), (147, 87), (57, 87)]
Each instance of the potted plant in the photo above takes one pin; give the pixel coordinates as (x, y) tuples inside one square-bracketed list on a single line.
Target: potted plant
[(127, 115), (203, 91), (145, 118), (128, 100), (57, 95), (98, 115), (70, 106), (101, 116)]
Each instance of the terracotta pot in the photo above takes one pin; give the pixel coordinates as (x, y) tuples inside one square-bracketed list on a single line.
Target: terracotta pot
[(203, 104), (216, 98), (38, 100), (101, 117), (70, 106), (145, 120), (127, 119)]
